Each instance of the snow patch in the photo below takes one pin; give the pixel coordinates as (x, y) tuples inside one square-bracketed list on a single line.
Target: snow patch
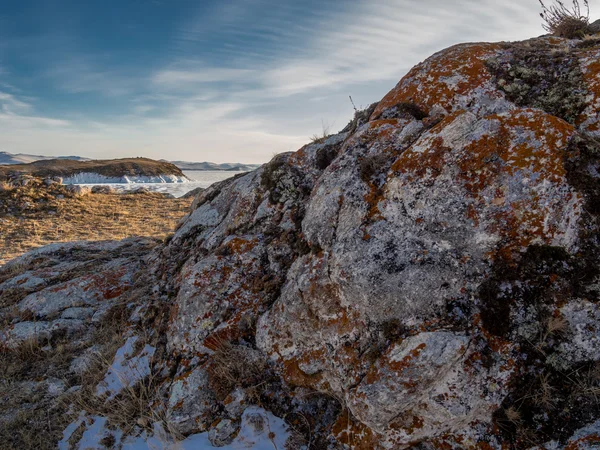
[(260, 430), (63, 444), (126, 369)]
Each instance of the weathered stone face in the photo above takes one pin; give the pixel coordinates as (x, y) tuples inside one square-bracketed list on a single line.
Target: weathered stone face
[(383, 306)]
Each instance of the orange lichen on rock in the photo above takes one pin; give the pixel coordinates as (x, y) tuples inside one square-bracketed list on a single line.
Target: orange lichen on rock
[(495, 166), (457, 71), (589, 120), (294, 375), (239, 245), (351, 432), (413, 164), (382, 130)]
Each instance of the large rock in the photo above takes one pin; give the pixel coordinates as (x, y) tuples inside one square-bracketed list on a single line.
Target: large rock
[(419, 252)]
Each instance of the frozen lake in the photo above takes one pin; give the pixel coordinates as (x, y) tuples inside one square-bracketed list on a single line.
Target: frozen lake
[(200, 178)]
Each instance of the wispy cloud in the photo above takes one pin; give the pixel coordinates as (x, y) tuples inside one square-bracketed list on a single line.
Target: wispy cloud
[(11, 105), (18, 113), (80, 75), (186, 78), (244, 79)]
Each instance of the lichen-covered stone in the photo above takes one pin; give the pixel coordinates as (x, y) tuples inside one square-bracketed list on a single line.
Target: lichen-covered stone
[(192, 402), (397, 247)]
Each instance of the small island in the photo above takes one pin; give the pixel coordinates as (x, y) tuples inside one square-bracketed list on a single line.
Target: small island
[(127, 170)]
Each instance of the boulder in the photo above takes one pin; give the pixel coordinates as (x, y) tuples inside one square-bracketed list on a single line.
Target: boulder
[(102, 189), (79, 190), (405, 267)]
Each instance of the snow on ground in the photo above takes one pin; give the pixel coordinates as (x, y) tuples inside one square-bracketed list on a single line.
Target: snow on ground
[(260, 430), (63, 444), (126, 369)]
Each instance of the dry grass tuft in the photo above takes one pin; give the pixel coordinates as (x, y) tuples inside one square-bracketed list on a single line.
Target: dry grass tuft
[(36, 422), (235, 366), (5, 186), (325, 133), (558, 325), (372, 165), (566, 22), (513, 415), (544, 395), (587, 382)]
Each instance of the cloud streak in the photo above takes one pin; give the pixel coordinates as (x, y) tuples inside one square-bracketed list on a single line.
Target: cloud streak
[(244, 79)]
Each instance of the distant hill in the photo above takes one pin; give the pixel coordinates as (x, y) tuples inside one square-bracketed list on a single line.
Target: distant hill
[(128, 170), (186, 165), (22, 158)]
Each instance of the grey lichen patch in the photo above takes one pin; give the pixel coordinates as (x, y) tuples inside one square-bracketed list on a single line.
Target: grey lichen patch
[(283, 181), (534, 77)]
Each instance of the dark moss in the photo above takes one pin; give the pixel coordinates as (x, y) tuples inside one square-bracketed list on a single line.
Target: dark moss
[(393, 330), (404, 110), (542, 273), (546, 401), (389, 258), (582, 161), (550, 405), (224, 250), (108, 441), (372, 165), (325, 156), (495, 311), (283, 181), (360, 117), (589, 43), (535, 77)]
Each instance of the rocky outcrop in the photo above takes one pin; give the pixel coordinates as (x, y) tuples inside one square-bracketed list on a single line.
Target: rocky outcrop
[(426, 279)]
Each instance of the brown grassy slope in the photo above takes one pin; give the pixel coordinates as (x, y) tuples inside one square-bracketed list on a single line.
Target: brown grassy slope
[(109, 168), (35, 215)]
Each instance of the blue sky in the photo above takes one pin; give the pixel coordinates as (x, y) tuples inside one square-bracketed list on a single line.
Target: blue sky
[(228, 80)]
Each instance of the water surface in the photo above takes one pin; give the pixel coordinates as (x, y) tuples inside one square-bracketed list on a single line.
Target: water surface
[(200, 178)]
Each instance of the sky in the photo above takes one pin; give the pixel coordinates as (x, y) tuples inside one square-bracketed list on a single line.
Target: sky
[(216, 80)]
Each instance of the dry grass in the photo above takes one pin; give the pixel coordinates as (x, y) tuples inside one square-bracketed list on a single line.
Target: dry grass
[(234, 366), (566, 22), (373, 165), (587, 382), (325, 133), (91, 217), (37, 422), (545, 394), (5, 186)]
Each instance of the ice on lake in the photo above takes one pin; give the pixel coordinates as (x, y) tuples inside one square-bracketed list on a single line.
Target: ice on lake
[(199, 178)]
